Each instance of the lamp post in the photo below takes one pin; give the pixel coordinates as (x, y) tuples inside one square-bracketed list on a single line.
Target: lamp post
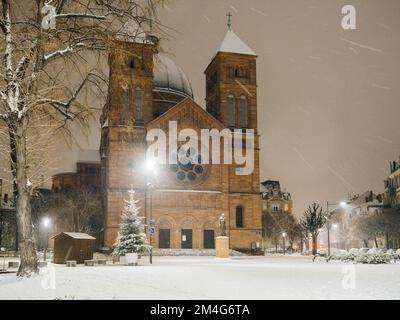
[(46, 224), (283, 239), (151, 173), (328, 215), (150, 187)]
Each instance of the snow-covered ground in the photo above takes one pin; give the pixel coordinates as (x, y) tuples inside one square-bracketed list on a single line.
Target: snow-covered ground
[(270, 277)]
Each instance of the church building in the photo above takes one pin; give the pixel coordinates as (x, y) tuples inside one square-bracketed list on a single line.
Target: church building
[(182, 202)]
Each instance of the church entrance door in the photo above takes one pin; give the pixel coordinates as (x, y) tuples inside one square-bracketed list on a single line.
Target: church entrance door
[(187, 238), (164, 240), (209, 239)]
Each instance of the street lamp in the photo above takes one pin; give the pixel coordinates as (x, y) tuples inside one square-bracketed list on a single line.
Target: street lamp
[(342, 204), (283, 239), (46, 224), (151, 172)]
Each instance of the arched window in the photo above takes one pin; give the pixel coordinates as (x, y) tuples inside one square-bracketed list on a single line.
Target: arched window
[(243, 112), (231, 112), (138, 106), (125, 105), (239, 217), (132, 63)]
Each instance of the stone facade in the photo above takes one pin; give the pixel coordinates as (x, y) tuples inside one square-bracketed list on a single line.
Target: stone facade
[(185, 204), (87, 176), (274, 200), (391, 195)]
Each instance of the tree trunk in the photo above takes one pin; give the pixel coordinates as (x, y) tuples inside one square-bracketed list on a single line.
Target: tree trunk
[(13, 162), (314, 245), (26, 242), (387, 240)]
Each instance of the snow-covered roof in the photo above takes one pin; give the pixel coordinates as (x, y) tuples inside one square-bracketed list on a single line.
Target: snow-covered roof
[(233, 44), (77, 235), (168, 76)]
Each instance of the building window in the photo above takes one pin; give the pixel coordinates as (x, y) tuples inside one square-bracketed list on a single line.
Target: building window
[(239, 217), (231, 72), (132, 63), (286, 207), (125, 104), (231, 112), (275, 208), (138, 106), (243, 112)]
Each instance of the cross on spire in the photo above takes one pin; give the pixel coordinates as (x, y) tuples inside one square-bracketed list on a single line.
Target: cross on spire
[(229, 15)]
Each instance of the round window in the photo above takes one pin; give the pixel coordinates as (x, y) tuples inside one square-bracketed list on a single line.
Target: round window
[(189, 170)]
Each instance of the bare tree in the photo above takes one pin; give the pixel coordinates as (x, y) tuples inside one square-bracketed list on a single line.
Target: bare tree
[(275, 224), (78, 210), (41, 42), (373, 226), (312, 222)]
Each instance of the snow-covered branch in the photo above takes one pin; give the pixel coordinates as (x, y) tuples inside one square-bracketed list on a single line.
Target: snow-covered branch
[(63, 106), (24, 61), (79, 15), (3, 26), (63, 52), (8, 39)]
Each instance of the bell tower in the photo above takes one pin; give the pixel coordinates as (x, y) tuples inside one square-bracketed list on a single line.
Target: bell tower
[(128, 109), (131, 84), (231, 85), (231, 97)]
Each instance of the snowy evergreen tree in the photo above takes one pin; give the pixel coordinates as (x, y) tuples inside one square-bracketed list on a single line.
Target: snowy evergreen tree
[(131, 236)]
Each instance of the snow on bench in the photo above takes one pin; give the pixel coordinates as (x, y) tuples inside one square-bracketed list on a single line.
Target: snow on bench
[(70, 263)]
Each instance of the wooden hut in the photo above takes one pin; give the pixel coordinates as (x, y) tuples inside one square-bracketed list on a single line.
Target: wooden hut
[(73, 246)]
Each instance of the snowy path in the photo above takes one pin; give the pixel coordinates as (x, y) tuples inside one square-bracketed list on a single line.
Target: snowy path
[(270, 277)]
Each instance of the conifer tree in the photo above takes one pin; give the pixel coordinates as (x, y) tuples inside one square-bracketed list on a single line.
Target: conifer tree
[(131, 236)]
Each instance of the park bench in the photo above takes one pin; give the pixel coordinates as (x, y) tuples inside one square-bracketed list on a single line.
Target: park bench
[(89, 263), (101, 262), (13, 264), (70, 263)]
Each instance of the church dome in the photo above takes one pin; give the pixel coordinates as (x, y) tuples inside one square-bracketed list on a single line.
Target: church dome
[(168, 77)]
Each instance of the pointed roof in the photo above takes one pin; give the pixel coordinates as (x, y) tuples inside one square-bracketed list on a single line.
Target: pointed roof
[(233, 44), (186, 112)]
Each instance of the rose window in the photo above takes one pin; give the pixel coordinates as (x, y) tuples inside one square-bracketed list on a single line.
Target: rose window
[(189, 169)]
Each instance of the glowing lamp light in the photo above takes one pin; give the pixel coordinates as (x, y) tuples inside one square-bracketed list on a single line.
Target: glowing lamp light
[(151, 166), (335, 226), (46, 222), (343, 204), (284, 234)]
